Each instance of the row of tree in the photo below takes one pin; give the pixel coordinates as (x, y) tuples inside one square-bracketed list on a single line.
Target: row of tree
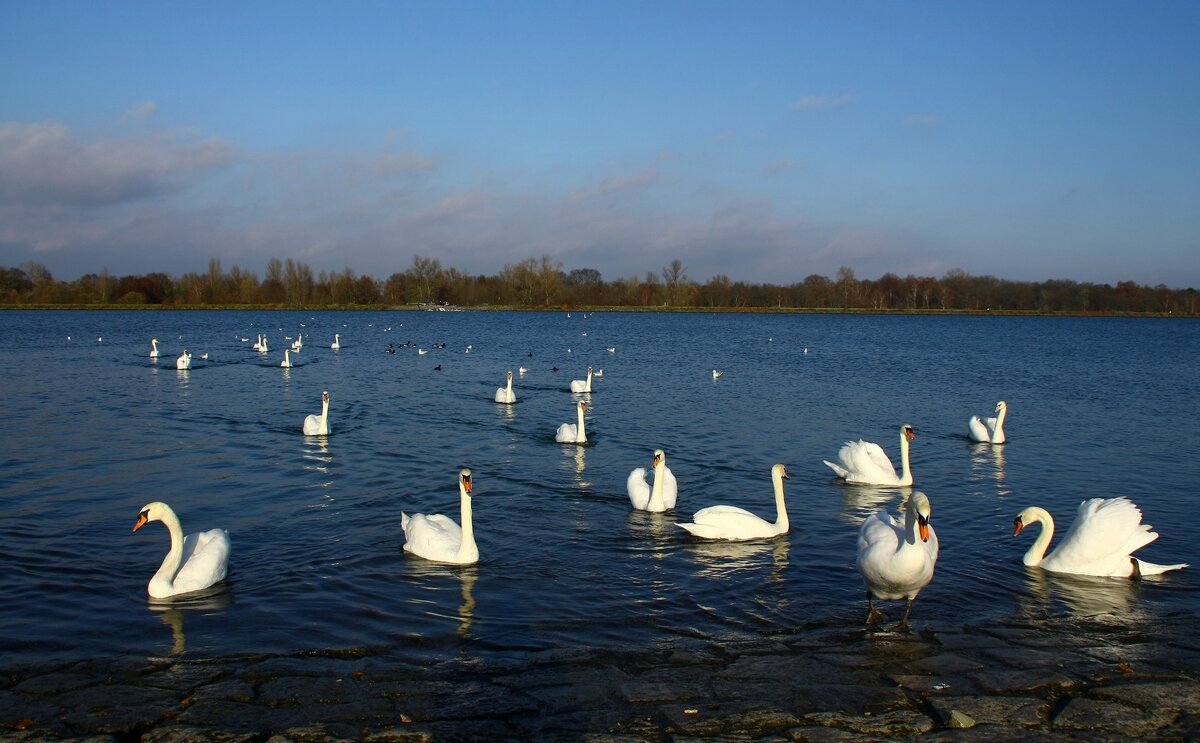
[(542, 282)]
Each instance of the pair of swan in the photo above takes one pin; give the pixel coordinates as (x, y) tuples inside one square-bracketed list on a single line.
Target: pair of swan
[(318, 425), (153, 348), (193, 563), (260, 345), (896, 560), (184, 361), (582, 385), (437, 537), (989, 430), (665, 492), (505, 394), (337, 341), (573, 433), (734, 524), (865, 463), (298, 344), (1101, 542)]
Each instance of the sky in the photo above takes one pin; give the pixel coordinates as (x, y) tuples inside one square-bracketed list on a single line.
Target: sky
[(765, 141)]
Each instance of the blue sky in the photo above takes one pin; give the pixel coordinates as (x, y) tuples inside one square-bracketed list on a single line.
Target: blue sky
[(765, 141)]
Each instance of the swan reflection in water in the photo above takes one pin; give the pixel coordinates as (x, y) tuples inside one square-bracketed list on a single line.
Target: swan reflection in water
[(722, 560), (1085, 597), (440, 578), (317, 455), (861, 501), (987, 462), (171, 612)]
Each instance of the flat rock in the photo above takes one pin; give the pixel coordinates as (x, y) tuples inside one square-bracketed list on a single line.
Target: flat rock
[(896, 724), (1026, 712), (1183, 696), (1111, 717)]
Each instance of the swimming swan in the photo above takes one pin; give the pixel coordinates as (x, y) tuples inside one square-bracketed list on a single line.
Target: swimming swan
[(193, 563), (989, 430), (287, 359), (184, 361), (337, 342), (1101, 542), (865, 463), (506, 394), (581, 385), (437, 537), (735, 524), (665, 492), (896, 560), (573, 433), (318, 425), (154, 348)]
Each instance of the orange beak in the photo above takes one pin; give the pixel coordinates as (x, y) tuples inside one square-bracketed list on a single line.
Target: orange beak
[(141, 521), (923, 529), (1017, 526), (467, 485)]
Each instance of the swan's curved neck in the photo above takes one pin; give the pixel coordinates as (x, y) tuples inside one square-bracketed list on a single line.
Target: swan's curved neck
[(580, 436), (324, 411), (588, 387), (657, 502), (1038, 551), (170, 564), (508, 387), (998, 432), (781, 517), (467, 549), (906, 477)]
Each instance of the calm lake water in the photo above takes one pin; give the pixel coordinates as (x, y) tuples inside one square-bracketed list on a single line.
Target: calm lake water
[(95, 429)]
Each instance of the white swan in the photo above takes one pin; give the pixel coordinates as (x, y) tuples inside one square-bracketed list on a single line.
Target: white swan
[(573, 433), (258, 343), (262, 347), (192, 564), (582, 385), (298, 344), (506, 394), (1101, 542), (184, 361), (989, 430), (337, 342), (717, 373), (437, 537), (864, 463), (318, 425), (154, 348), (287, 359), (896, 560), (735, 524), (665, 492)]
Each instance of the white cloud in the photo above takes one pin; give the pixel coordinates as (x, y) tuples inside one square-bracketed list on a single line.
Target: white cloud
[(609, 186), (811, 102), (142, 111)]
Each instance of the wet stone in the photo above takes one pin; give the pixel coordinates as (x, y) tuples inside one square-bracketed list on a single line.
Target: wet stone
[(896, 724), (1028, 681), (399, 735), (944, 664), (187, 734), (934, 685), (852, 699), (236, 716), (93, 709), (1169, 695), (54, 683), (1013, 711), (1111, 717), (234, 690), (819, 734)]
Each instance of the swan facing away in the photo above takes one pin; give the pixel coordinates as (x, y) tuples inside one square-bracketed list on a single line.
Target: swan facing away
[(896, 560), (184, 361), (337, 342), (865, 463), (193, 563), (505, 394), (437, 537), (736, 524), (318, 425), (582, 385), (989, 430), (665, 492), (154, 348), (1101, 542), (573, 433)]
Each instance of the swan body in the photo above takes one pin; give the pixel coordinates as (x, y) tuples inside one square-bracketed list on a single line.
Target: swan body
[(865, 463), (318, 425), (896, 560), (989, 430), (258, 343), (582, 385), (665, 492), (184, 361), (505, 394), (717, 373), (154, 348), (573, 433), (1101, 542), (287, 359), (337, 341), (193, 563), (736, 524), (437, 537)]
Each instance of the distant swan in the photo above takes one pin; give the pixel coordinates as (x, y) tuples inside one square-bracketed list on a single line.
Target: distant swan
[(184, 361), (717, 374), (1101, 542), (287, 359), (192, 564), (736, 524), (318, 425), (154, 348), (437, 537), (506, 394), (665, 492), (582, 385), (573, 433), (864, 463), (989, 430), (896, 560), (337, 341)]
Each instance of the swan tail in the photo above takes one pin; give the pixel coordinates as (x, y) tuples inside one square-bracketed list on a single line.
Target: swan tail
[(703, 531), (1149, 568), (839, 471)]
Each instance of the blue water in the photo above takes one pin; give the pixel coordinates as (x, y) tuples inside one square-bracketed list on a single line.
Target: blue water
[(95, 429)]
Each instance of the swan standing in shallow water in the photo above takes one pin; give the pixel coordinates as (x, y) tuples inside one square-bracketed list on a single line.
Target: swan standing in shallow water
[(735, 524), (573, 433), (1101, 542), (582, 385), (505, 394), (896, 560), (865, 463), (437, 537), (193, 563), (318, 425), (665, 492), (287, 359), (337, 341), (989, 430), (154, 348), (184, 362)]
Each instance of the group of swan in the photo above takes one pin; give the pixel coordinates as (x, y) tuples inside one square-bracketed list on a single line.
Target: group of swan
[(260, 345)]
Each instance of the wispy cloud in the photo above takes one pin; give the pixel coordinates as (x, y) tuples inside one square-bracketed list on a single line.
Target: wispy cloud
[(617, 184), (812, 102), (142, 111), (783, 165), (921, 120)]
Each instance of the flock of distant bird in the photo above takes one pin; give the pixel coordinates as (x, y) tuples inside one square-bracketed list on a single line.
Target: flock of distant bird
[(896, 558)]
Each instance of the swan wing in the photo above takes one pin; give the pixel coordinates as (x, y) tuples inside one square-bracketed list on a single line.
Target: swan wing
[(978, 430), (638, 488), (866, 462), (434, 537), (578, 385), (566, 433), (1104, 534), (312, 425), (879, 529), (728, 522), (205, 560), (670, 488)]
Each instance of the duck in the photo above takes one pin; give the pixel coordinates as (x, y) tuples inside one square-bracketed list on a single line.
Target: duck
[(735, 524), (989, 430), (194, 563), (437, 537), (865, 463), (287, 359), (582, 385), (184, 361), (337, 342), (154, 348), (505, 394), (896, 560), (573, 433), (318, 425), (1101, 542), (662, 496)]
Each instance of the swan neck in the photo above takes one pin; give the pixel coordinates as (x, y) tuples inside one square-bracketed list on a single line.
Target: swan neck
[(657, 502), (468, 528), (905, 470), (1037, 551), (781, 516), (580, 435), (998, 432), (170, 564)]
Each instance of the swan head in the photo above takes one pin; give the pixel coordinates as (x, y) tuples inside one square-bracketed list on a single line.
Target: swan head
[(325, 397), (779, 472), (660, 457), (1001, 406), (908, 432), (151, 512), (921, 508), (583, 406), (464, 479), (509, 376), (1027, 517)]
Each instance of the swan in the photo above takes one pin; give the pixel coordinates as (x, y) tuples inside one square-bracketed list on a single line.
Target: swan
[(194, 563), (154, 348), (287, 359), (184, 361), (665, 492), (581, 385), (896, 560), (337, 342), (989, 430), (1101, 542), (262, 348), (506, 394), (573, 433), (318, 425), (258, 343), (717, 374), (437, 537), (736, 524), (298, 344), (864, 463)]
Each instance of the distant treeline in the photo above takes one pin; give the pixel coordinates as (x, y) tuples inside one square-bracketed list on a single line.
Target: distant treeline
[(542, 282)]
